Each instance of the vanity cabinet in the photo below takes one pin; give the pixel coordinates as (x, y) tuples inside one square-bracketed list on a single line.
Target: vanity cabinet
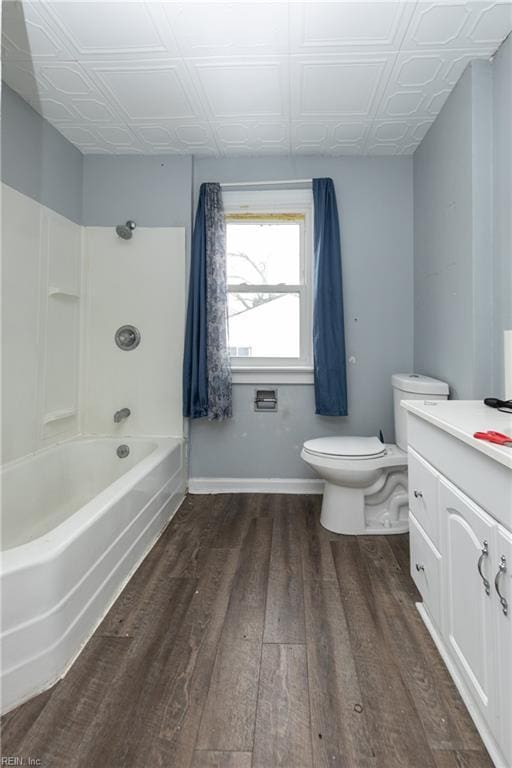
[(468, 616), (461, 562), (504, 638)]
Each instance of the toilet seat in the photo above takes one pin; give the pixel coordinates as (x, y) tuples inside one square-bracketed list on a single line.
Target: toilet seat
[(346, 447)]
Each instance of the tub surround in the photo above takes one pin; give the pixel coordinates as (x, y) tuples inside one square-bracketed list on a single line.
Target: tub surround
[(139, 282), (460, 494), (42, 302), (79, 520)]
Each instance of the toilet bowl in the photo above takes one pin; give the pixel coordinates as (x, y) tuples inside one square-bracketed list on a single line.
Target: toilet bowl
[(365, 480), (365, 488)]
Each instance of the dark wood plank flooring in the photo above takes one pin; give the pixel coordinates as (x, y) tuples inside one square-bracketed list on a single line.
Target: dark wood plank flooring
[(251, 638)]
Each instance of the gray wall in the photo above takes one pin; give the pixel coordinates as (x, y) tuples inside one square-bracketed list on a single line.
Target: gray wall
[(453, 240), (502, 114), (375, 200), (154, 191), (37, 160), (375, 205)]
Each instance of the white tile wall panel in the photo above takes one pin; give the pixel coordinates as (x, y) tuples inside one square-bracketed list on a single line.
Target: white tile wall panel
[(235, 78)]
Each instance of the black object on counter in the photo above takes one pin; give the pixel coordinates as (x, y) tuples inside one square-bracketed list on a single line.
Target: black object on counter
[(505, 406)]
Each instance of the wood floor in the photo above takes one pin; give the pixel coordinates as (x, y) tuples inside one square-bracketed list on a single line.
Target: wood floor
[(252, 638)]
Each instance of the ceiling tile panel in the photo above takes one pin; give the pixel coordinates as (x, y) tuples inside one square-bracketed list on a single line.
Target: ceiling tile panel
[(252, 136), (344, 86), (229, 29), (104, 28), (336, 27), (243, 87), (350, 132), (93, 110), (328, 137), (490, 24), (148, 90), (396, 136), (157, 138), (421, 81), (56, 112), (389, 131), (20, 76), (67, 79), (27, 36), (79, 135), (479, 26), (245, 78)]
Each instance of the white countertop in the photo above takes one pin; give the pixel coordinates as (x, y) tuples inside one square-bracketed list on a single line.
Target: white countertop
[(462, 418)]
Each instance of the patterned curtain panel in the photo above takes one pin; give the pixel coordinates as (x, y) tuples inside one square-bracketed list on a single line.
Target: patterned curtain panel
[(206, 368), (328, 325), (218, 363)]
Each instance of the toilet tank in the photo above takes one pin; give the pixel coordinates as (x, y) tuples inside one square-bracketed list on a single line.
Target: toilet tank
[(413, 386)]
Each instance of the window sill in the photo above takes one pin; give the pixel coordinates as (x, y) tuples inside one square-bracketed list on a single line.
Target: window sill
[(272, 375)]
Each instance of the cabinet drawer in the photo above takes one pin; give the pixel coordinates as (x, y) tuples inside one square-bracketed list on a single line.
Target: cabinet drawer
[(423, 495), (425, 569)]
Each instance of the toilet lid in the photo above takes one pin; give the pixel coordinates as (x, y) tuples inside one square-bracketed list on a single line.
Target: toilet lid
[(348, 447)]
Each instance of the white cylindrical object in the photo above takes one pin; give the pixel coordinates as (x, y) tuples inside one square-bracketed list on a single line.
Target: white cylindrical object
[(507, 345)]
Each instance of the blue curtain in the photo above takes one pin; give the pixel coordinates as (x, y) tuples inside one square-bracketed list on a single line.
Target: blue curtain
[(206, 368), (328, 326), (195, 375)]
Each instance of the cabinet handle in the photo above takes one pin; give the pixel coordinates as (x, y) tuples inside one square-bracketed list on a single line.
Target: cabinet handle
[(420, 567), (484, 553), (501, 570), (418, 494)]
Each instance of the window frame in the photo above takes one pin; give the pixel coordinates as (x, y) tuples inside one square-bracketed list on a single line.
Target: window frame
[(297, 201)]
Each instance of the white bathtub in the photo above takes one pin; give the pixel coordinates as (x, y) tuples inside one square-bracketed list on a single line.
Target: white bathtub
[(76, 522)]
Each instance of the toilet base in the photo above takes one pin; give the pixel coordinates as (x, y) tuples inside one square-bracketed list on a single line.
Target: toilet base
[(350, 512)]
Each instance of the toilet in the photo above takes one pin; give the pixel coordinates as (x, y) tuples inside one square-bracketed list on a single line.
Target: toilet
[(365, 490)]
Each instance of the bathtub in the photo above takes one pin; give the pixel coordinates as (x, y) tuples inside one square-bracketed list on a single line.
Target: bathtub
[(76, 522)]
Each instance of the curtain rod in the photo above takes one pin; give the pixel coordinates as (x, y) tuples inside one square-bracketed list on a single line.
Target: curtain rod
[(265, 183)]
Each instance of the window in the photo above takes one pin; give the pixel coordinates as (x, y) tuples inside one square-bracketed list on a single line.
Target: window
[(268, 246)]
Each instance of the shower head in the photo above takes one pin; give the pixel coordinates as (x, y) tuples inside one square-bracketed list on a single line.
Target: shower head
[(125, 231)]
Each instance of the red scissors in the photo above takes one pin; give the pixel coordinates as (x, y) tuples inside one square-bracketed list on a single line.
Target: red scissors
[(494, 437)]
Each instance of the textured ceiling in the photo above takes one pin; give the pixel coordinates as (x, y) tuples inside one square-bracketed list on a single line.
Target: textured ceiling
[(246, 78)]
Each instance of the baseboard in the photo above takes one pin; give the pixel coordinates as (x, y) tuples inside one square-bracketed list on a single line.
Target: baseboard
[(254, 485)]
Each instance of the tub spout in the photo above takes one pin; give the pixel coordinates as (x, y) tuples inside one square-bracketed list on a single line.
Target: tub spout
[(122, 414)]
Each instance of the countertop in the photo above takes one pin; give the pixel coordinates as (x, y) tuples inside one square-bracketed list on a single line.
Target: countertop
[(462, 418)]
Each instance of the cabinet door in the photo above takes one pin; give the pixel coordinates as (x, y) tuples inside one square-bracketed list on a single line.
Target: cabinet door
[(503, 622), (425, 569), (469, 611), (423, 491)]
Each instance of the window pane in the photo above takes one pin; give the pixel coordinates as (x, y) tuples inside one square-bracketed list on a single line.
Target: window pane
[(264, 324), (263, 253)]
